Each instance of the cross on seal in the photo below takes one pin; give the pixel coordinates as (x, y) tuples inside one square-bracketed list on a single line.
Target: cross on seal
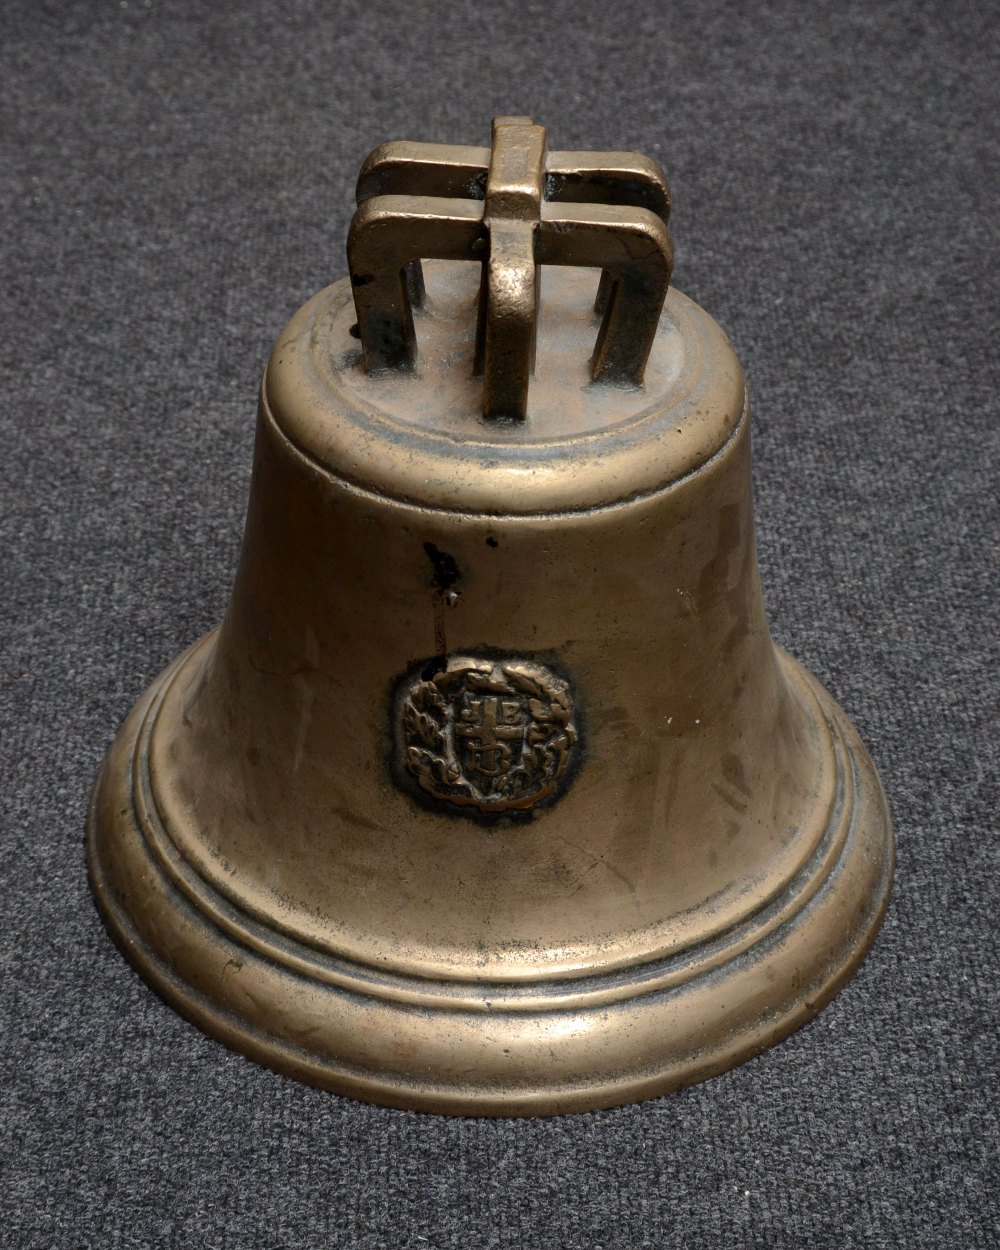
[(487, 725), (511, 207)]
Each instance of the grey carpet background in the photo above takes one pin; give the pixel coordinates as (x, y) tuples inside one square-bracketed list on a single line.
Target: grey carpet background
[(176, 179)]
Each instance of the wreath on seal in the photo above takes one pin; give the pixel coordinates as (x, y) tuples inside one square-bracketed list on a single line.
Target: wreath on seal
[(428, 714)]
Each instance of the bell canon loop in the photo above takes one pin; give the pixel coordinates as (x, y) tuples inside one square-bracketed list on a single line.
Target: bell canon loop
[(491, 794)]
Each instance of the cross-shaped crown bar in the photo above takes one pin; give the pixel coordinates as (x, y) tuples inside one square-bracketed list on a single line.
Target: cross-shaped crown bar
[(513, 207)]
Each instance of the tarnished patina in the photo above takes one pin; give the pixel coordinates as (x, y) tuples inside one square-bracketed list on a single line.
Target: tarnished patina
[(492, 794)]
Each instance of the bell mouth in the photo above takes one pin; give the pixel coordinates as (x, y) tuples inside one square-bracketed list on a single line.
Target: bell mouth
[(558, 1043)]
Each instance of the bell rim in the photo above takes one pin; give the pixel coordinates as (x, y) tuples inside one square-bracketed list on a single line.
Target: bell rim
[(867, 851)]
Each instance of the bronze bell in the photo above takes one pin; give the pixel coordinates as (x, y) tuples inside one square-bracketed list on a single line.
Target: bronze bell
[(492, 794)]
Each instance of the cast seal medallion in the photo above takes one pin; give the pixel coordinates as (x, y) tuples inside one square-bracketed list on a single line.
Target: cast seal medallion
[(489, 734)]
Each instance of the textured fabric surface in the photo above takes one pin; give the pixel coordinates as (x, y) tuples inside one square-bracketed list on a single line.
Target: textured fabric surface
[(176, 178)]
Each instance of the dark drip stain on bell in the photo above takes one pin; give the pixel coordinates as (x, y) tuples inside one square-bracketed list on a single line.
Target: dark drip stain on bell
[(492, 795), (445, 577)]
